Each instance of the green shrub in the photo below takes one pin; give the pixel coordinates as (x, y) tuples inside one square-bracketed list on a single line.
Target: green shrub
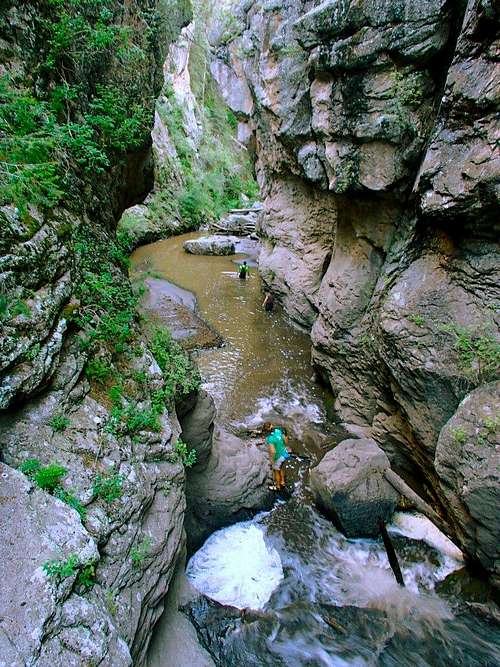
[(416, 319), (185, 455), (139, 553), (61, 569), (30, 467), (492, 424), (108, 487), (180, 375), (459, 434), (98, 370), (69, 497), (59, 423), (86, 576), (45, 477), (478, 352), (49, 477)]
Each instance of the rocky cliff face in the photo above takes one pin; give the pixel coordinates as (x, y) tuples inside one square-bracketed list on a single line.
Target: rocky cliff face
[(375, 128), (93, 529)]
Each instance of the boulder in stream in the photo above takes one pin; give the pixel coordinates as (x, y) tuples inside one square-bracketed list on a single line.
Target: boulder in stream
[(349, 486), (211, 245), (231, 487)]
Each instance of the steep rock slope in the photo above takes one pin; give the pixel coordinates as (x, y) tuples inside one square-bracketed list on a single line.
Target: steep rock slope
[(94, 525), (375, 132), (201, 170)]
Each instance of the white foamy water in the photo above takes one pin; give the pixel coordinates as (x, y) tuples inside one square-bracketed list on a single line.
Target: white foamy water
[(419, 527), (235, 566)]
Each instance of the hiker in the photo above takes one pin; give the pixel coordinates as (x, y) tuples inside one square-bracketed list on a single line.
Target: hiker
[(278, 453), (268, 303), (243, 270)]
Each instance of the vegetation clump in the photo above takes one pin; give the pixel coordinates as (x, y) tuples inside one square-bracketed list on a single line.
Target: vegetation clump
[(61, 569), (49, 478), (185, 455), (108, 487)]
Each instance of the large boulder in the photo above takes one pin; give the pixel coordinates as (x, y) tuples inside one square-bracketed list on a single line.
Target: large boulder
[(468, 464), (350, 487), (44, 621), (230, 488), (211, 245)]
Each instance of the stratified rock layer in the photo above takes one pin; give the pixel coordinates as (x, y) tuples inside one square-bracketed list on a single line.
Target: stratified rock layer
[(373, 127)]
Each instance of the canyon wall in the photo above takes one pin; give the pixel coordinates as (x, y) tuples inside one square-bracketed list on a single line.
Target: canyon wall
[(374, 128), (93, 529)]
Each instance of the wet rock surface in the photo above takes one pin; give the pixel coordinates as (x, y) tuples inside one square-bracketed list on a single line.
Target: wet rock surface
[(349, 486), (177, 310)]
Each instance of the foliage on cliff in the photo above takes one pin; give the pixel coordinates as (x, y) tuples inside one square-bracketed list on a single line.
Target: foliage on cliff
[(213, 167), (78, 106)]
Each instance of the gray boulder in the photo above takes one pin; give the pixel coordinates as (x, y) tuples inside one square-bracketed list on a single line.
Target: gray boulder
[(211, 245), (468, 464), (230, 488), (44, 621), (350, 487)]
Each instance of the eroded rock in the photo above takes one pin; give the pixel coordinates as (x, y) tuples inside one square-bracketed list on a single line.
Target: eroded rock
[(468, 465), (349, 485), (230, 488)]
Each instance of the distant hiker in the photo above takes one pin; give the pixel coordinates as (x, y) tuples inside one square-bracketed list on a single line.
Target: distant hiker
[(268, 302), (243, 270), (278, 453)]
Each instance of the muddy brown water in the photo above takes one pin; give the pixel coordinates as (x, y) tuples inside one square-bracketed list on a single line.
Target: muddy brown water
[(263, 370)]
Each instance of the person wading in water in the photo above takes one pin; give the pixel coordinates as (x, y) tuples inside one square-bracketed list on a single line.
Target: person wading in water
[(268, 302), (243, 271), (278, 453)]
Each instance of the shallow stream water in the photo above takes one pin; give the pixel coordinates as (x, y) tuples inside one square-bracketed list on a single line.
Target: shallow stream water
[(324, 600)]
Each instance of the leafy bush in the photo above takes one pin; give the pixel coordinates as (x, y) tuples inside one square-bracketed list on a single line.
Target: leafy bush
[(49, 477), (108, 487), (59, 423), (187, 456), (69, 126), (478, 352), (98, 370), (180, 375), (61, 569), (86, 576), (139, 553), (45, 477)]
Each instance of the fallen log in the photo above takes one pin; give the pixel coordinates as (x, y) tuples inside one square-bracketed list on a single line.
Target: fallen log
[(402, 487)]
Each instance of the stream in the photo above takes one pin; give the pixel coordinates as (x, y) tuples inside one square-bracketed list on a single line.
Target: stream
[(318, 598)]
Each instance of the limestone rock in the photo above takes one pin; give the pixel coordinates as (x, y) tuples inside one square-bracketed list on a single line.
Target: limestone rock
[(43, 619), (468, 465), (211, 245), (232, 486), (349, 486)]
